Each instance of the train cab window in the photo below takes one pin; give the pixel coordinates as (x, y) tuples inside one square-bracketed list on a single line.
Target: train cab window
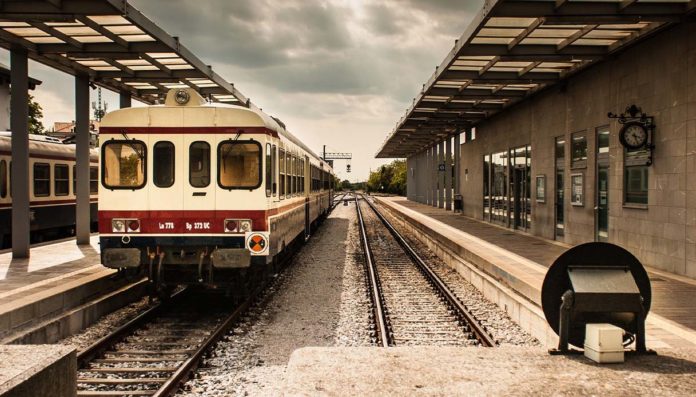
[(239, 165), (269, 170), (281, 171), (42, 180), (199, 164), (163, 164), (93, 179), (3, 179), (123, 164), (61, 179)]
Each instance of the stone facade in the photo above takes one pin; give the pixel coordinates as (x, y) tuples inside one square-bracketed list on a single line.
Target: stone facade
[(658, 75)]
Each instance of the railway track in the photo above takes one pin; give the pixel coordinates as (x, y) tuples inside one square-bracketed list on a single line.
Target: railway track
[(153, 354), (411, 304)]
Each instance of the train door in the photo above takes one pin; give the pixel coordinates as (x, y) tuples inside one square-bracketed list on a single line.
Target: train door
[(168, 181), (306, 190), (200, 182)]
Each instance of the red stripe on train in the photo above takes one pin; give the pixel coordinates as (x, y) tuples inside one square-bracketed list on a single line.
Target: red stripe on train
[(183, 221)]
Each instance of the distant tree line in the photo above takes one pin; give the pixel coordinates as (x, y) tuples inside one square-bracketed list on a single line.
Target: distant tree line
[(389, 178)]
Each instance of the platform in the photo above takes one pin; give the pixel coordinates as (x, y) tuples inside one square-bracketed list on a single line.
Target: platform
[(38, 370), (43, 298), (451, 371), (509, 267)]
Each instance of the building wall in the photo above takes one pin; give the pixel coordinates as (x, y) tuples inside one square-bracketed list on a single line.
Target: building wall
[(417, 177), (659, 75)]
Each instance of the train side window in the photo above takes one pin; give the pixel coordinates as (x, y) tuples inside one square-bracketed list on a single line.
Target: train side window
[(61, 179), (3, 178), (281, 171), (269, 170), (293, 178), (239, 165), (274, 161), (199, 164), (42, 180), (123, 164), (163, 164), (93, 179), (288, 171)]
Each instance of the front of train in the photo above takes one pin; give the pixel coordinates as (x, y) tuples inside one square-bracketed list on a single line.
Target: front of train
[(181, 194)]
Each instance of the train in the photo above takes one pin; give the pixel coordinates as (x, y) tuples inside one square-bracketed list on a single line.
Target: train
[(200, 193), (51, 188)]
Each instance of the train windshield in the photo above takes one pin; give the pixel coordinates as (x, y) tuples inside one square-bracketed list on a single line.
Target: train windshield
[(124, 164), (239, 165)]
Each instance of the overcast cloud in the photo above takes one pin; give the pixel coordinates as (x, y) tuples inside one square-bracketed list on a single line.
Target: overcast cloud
[(337, 72)]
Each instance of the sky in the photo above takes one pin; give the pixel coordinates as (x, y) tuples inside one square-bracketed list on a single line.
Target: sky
[(338, 73)]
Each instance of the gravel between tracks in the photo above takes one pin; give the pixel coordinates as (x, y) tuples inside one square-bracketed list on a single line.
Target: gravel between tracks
[(320, 300), (498, 323)]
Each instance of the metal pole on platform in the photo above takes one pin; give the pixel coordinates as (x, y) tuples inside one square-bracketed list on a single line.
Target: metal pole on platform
[(124, 99), (82, 210), (426, 181), (457, 160), (19, 124), (448, 174), (433, 177)]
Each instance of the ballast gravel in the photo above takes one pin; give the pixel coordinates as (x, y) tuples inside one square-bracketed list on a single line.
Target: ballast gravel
[(319, 300)]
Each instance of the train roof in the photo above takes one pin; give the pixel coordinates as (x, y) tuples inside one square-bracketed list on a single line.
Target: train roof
[(48, 148), (197, 112)]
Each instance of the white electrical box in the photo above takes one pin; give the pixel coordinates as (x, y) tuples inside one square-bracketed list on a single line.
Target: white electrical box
[(604, 343)]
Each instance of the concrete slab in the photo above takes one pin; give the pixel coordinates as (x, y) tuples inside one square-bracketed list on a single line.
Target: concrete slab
[(448, 371), (37, 370)]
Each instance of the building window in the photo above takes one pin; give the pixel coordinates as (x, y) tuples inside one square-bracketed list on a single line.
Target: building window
[(61, 179), (578, 150), (199, 164), (603, 140), (3, 179), (42, 180), (123, 164), (636, 184), (163, 164), (239, 165)]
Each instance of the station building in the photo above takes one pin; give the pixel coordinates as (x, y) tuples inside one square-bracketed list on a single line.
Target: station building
[(572, 121)]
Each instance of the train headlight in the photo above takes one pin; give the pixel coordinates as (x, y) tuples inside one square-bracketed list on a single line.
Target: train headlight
[(134, 225), (231, 225), (245, 225), (118, 226)]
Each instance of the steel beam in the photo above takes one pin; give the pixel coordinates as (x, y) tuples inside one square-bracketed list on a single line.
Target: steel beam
[(124, 99), (440, 175), (82, 210), (19, 124)]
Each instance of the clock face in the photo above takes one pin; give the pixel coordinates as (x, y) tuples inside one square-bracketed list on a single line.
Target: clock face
[(634, 136)]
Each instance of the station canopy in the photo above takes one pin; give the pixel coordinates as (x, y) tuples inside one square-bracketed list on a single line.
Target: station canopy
[(112, 42), (514, 48)]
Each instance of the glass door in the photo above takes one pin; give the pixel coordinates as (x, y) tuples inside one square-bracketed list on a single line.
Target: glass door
[(559, 197), (520, 163), (602, 188)]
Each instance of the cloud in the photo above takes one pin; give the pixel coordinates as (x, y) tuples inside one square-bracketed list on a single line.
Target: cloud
[(337, 72)]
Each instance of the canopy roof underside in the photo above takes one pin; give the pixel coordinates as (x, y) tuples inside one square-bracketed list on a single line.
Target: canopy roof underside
[(112, 42), (514, 48)]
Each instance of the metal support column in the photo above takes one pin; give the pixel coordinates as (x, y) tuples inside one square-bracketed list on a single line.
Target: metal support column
[(457, 168), (82, 210), (448, 174), (441, 176), (124, 99), (426, 181), (19, 124), (433, 178)]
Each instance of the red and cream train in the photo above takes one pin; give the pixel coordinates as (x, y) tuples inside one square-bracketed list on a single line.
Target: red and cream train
[(200, 193)]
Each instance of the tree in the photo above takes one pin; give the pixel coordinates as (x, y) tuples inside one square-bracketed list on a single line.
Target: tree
[(390, 178), (35, 116)]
